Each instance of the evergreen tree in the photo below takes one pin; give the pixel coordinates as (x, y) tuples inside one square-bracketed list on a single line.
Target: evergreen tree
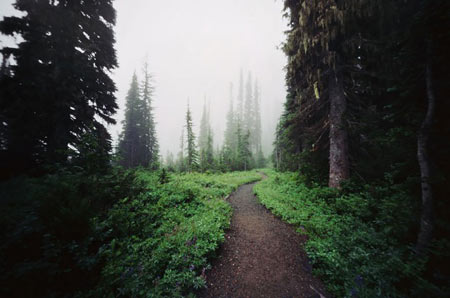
[(257, 131), (181, 160), (204, 139), (209, 152), (229, 149), (138, 144), (314, 43), (204, 127), (130, 148), (248, 120), (244, 160), (240, 99), (148, 126), (361, 78), (191, 149), (59, 89)]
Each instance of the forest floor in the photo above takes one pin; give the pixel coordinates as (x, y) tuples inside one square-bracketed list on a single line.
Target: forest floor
[(261, 257)]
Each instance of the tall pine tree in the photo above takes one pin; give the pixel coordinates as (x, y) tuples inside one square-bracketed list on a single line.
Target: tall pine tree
[(150, 140), (257, 130), (191, 148), (59, 89), (205, 140), (229, 149), (130, 148), (248, 118)]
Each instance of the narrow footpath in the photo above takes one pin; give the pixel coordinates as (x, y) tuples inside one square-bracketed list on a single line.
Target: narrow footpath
[(261, 257)]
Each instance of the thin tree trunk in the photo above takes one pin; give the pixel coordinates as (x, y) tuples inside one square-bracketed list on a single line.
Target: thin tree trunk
[(338, 158), (426, 220)]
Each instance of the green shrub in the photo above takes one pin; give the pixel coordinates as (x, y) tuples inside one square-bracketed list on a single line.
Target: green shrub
[(48, 237), (159, 243), (120, 234), (359, 238)]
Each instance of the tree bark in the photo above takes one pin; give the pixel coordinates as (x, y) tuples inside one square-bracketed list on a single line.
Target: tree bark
[(338, 158), (426, 220)]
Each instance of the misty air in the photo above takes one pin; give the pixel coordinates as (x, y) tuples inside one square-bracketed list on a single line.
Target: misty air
[(239, 148)]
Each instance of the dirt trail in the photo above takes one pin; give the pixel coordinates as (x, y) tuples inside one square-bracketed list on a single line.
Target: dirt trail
[(261, 256)]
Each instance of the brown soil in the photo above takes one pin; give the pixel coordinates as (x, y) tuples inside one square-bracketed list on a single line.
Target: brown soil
[(261, 256)]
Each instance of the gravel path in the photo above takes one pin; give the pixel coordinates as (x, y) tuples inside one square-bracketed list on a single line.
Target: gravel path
[(261, 256)]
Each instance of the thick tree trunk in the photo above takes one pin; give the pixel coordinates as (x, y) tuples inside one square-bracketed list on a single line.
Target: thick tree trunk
[(426, 220), (339, 163)]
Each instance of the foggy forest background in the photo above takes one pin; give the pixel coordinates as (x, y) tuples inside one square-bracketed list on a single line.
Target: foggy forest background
[(125, 127)]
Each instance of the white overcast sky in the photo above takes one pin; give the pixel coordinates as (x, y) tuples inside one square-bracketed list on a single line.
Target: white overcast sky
[(195, 49)]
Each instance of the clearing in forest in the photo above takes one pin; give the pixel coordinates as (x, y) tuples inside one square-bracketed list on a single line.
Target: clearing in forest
[(261, 256)]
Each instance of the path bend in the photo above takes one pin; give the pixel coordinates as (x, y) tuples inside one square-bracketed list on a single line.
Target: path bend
[(261, 257)]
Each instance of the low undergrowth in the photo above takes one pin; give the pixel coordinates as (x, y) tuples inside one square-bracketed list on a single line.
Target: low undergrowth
[(359, 241), (160, 241), (122, 234)]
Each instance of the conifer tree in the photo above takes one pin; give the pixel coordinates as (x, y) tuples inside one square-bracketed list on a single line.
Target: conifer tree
[(59, 89), (206, 142), (181, 160), (248, 120), (244, 159), (130, 148), (209, 163), (203, 139), (204, 127), (148, 126), (316, 101), (240, 98), (191, 148), (230, 135), (257, 131)]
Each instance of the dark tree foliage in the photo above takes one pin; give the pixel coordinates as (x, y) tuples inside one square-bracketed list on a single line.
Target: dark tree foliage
[(138, 144), (58, 89), (148, 126), (385, 60), (131, 148)]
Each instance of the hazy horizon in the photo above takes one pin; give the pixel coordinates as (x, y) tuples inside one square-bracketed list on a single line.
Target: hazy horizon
[(195, 50)]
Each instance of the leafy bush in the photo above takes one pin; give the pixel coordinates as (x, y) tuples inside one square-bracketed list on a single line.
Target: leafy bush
[(72, 234), (158, 244), (48, 238), (359, 238)]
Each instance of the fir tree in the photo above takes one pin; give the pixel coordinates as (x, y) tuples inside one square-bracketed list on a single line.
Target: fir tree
[(204, 127), (130, 148), (209, 152), (203, 140), (148, 126), (191, 149), (244, 159), (229, 149), (59, 89), (181, 160), (248, 120), (231, 125), (257, 131), (240, 98)]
